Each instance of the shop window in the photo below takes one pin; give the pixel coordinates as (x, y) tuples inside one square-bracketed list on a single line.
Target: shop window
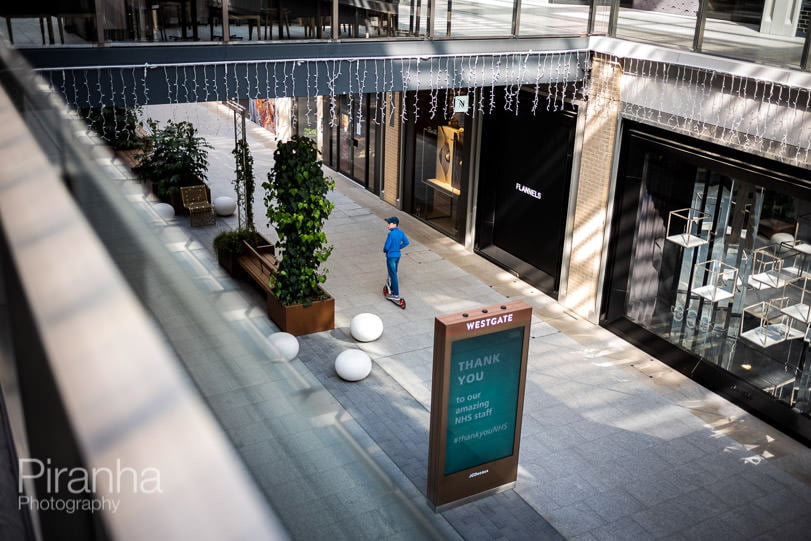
[(438, 164), (306, 116), (718, 264), (350, 139)]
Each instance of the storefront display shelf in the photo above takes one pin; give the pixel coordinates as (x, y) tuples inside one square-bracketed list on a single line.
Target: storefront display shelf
[(798, 303), (800, 246), (714, 280), (766, 280), (444, 187), (776, 265), (769, 335), (799, 262), (800, 312), (684, 227), (712, 293), (773, 324)]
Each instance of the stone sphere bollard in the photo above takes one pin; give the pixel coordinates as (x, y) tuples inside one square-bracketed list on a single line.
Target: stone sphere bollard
[(353, 365), (165, 210), (366, 327), (285, 343), (224, 206)]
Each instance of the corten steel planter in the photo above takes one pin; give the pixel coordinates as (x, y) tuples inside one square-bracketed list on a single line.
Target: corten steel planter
[(298, 319)]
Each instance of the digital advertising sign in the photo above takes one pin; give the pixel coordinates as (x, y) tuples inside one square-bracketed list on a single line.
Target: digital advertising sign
[(477, 400)]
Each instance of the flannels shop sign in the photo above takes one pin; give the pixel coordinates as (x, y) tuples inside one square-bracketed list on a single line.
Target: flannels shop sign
[(476, 401), (527, 190)]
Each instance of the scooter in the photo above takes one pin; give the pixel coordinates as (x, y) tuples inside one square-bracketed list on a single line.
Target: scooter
[(399, 302)]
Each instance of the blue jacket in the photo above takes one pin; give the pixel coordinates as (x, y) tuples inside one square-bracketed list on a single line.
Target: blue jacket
[(395, 240)]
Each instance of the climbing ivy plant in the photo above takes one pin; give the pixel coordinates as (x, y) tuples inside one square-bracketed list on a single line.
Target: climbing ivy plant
[(297, 207), (244, 184)]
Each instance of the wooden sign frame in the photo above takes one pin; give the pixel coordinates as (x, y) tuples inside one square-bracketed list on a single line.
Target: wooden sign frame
[(497, 379)]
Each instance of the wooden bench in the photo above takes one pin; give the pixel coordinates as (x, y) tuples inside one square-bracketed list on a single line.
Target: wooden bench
[(260, 264)]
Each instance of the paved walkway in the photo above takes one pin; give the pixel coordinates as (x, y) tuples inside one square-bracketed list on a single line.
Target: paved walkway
[(615, 445)]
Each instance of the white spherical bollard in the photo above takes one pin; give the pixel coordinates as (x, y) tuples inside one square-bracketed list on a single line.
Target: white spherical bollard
[(366, 327), (353, 365), (285, 343), (165, 210), (225, 206)]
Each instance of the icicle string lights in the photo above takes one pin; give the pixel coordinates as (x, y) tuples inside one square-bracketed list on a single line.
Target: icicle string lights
[(463, 73), (747, 113), (744, 112)]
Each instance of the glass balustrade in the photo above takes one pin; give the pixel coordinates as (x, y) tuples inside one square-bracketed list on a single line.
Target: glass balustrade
[(670, 24), (771, 32), (762, 31), (554, 17)]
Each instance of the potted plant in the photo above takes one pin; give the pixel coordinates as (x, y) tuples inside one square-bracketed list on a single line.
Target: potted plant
[(174, 156), (228, 245), (297, 207)]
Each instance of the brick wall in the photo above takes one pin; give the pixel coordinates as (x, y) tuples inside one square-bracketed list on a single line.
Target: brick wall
[(602, 114), (805, 14), (391, 153)]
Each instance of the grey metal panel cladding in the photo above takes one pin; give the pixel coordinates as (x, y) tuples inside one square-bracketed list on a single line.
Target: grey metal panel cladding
[(126, 76)]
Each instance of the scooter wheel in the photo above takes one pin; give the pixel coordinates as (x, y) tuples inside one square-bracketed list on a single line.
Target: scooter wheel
[(402, 304), (385, 290)]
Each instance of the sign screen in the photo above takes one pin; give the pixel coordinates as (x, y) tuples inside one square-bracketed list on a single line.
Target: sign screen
[(485, 375)]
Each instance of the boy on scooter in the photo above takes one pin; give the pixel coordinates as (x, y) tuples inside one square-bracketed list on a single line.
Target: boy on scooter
[(395, 241)]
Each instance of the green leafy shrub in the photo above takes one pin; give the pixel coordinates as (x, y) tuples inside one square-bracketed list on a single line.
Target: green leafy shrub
[(174, 156), (297, 207), (116, 125), (230, 242)]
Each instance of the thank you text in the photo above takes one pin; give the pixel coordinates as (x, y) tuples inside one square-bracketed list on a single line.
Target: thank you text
[(484, 382)]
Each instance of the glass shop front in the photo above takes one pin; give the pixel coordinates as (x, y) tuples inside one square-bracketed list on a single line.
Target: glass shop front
[(710, 269), (436, 161), (524, 180), (350, 144)]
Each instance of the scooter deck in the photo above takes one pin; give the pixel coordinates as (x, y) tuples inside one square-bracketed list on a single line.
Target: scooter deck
[(401, 302)]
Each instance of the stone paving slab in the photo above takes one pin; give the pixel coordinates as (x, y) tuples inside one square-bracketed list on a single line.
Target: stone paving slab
[(400, 426)]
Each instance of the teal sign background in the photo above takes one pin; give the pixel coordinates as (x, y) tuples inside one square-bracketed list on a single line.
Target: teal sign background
[(485, 375)]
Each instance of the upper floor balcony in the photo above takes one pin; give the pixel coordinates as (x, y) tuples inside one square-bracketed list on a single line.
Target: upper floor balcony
[(771, 32)]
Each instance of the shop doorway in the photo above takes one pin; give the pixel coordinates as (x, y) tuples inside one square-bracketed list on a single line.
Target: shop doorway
[(524, 179), (352, 141)]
